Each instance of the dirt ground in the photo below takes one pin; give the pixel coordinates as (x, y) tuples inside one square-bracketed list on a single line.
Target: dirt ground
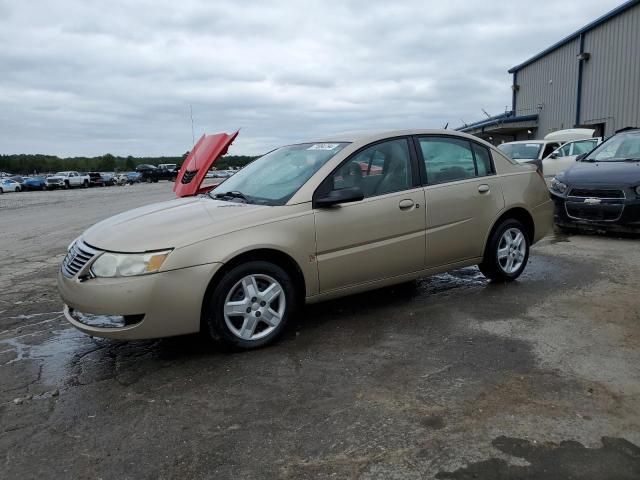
[(448, 377)]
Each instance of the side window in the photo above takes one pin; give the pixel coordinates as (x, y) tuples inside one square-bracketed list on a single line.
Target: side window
[(382, 168), (447, 159), (550, 147), (564, 151), (483, 160), (583, 147)]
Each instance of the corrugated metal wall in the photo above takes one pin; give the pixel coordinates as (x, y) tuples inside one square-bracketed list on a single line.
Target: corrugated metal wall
[(611, 77), (548, 87), (610, 82)]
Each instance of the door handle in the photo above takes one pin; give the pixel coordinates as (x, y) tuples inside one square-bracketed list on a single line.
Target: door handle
[(484, 188), (405, 204)]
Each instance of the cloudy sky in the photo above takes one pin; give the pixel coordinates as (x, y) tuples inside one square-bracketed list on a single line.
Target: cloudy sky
[(91, 77)]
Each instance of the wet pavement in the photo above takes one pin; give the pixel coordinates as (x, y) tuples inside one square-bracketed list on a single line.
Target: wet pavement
[(446, 377)]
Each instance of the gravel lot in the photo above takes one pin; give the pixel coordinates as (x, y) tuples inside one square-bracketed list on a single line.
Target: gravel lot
[(447, 377)]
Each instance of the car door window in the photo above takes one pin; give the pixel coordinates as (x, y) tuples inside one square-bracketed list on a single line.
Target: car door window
[(379, 169), (451, 159), (550, 147), (583, 147), (484, 166), (564, 151)]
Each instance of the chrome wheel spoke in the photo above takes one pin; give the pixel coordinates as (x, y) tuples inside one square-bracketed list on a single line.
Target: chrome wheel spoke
[(503, 253), (271, 317), (236, 308), (271, 293), (250, 287), (248, 327)]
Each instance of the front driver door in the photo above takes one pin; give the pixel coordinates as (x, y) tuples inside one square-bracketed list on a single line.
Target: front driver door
[(381, 236)]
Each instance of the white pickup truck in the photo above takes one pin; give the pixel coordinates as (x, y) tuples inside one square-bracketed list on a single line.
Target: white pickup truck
[(67, 180)]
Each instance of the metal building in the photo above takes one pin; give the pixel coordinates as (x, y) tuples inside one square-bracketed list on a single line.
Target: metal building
[(589, 79)]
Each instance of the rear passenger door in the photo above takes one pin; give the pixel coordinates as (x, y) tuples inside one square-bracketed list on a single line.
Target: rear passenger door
[(463, 197)]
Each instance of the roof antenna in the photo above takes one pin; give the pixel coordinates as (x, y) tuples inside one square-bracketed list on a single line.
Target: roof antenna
[(445, 126), (485, 112)]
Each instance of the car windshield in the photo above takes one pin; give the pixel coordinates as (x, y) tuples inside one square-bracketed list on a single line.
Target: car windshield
[(275, 177), (62, 174), (521, 152), (619, 148)]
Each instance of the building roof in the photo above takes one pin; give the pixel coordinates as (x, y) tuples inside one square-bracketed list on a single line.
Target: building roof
[(507, 117), (598, 21)]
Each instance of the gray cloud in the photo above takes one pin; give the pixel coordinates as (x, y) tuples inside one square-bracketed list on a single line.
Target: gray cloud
[(89, 77)]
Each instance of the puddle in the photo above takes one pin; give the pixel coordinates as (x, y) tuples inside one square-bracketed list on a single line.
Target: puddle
[(443, 282), (54, 356), (617, 459)]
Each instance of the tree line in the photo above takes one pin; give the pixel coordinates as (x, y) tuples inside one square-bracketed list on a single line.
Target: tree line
[(25, 164)]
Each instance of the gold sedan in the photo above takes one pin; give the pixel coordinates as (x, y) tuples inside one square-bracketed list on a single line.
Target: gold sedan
[(304, 223)]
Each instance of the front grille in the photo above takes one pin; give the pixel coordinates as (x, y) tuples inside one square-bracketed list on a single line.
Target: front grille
[(604, 212), (188, 176), (596, 193), (77, 258)]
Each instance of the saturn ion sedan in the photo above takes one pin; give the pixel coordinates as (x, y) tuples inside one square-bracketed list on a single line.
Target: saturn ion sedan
[(304, 223)]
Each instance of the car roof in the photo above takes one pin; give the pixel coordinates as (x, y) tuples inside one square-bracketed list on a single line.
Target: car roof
[(366, 136), (529, 141)]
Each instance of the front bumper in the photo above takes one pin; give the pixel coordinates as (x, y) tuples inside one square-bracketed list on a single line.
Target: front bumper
[(619, 215), (152, 306)]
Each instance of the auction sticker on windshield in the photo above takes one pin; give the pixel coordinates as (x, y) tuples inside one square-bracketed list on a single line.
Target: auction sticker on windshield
[(323, 146)]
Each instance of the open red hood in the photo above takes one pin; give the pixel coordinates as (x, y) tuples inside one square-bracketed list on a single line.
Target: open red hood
[(202, 156)]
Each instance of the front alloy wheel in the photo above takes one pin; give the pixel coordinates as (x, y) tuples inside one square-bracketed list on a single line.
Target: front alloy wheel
[(250, 305), (254, 307)]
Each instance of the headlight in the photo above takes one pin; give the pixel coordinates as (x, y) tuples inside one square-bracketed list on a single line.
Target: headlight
[(558, 186), (128, 264)]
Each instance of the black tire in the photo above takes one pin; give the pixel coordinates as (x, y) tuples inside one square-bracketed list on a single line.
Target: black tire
[(85, 184), (214, 320), (149, 180), (18, 189), (491, 266), (1, 191), (66, 185)]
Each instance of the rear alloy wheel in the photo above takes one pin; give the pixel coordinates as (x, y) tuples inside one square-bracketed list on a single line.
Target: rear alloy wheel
[(251, 305), (507, 252)]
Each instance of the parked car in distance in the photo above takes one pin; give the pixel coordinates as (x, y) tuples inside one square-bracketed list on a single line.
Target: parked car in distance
[(565, 156), (67, 180), (95, 179), (108, 179), (9, 185), (533, 151), (17, 178), (152, 174), (601, 190), (133, 177), (34, 183), (302, 223)]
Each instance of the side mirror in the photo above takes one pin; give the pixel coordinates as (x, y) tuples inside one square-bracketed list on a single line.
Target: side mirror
[(580, 157), (553, 155), (335, 197)]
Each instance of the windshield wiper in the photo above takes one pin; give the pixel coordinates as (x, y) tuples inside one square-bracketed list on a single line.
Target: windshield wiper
[(232, 194)]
